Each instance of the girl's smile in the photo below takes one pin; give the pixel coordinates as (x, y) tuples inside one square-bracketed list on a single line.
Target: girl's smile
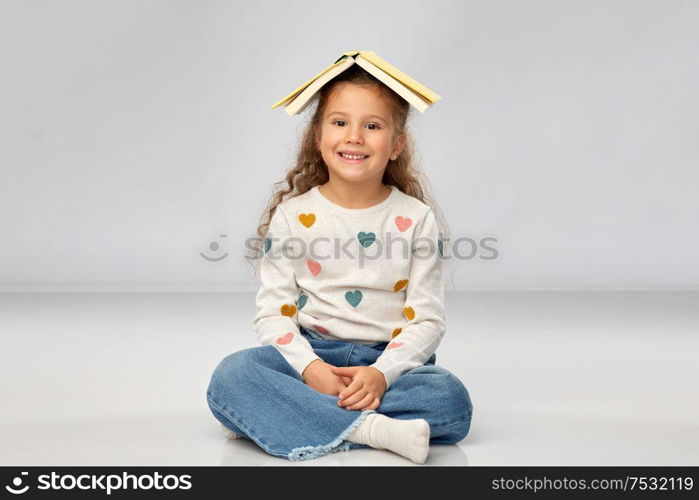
[(350, 158)]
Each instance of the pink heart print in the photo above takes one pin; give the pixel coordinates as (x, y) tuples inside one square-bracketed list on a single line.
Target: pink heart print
[(320, 329), (313, 266), (403, 223), (394, 345), (285, 339)]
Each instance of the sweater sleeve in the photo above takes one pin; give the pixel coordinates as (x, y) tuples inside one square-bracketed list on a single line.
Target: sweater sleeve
[(275, 321), (424, 306)]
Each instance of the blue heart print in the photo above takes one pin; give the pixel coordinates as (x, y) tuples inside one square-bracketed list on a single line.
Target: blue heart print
[(303, 298), (366, 239), (268, 244), (354, 298)]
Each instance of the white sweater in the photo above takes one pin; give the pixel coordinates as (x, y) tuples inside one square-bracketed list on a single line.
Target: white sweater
[(327, 268)]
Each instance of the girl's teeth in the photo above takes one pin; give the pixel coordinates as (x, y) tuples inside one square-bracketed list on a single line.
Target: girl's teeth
[(352, 157)]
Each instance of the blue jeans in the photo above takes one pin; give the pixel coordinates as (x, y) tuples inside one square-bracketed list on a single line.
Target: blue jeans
[(257, 394)]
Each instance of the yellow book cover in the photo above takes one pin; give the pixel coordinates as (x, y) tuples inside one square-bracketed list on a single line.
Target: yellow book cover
[(298, 103), (401, 83), (302, 87), (412, 84), (415, 99)]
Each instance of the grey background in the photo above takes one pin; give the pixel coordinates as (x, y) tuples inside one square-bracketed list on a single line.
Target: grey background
[(134, 133)]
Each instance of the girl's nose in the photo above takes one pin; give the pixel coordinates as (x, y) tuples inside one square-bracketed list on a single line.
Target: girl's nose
[(354, 134)]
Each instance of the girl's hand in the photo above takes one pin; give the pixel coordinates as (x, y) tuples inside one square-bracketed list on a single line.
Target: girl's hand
[(366, 390), (319, 377)]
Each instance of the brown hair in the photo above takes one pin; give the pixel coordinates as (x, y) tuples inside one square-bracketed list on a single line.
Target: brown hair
[(310, 169)]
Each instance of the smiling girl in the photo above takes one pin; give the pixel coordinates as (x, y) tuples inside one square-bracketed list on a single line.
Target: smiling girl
[(348, 336)]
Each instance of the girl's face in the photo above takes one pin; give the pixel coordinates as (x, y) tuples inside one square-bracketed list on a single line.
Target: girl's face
[(357, 121)]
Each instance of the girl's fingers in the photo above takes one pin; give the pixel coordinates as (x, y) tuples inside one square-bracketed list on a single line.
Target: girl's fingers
[(351, 389), (347, 380), (363, 403), (343, 370), (354, 398), (375, 404)]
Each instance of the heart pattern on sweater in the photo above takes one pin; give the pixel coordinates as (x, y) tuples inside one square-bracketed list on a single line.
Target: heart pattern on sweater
[(313, 266), (403, 223), (320, 329), (288, 310), (303, 298), (285, 339), (307, 219), (366, 239), (409, 313), (354, 298), (399, 284)]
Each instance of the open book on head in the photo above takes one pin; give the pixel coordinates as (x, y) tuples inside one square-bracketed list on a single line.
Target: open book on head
[(412, 91)]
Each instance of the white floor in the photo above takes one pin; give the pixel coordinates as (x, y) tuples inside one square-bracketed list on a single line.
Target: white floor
[(556, 378)]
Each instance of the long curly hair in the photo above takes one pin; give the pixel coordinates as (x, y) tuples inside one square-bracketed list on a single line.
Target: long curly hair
[(310, 169)]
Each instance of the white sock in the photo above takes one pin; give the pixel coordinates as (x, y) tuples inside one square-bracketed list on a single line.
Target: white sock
[(408, 438), (229, 433)]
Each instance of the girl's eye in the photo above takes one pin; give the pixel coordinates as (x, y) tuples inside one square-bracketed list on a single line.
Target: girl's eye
[(369, 124)]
